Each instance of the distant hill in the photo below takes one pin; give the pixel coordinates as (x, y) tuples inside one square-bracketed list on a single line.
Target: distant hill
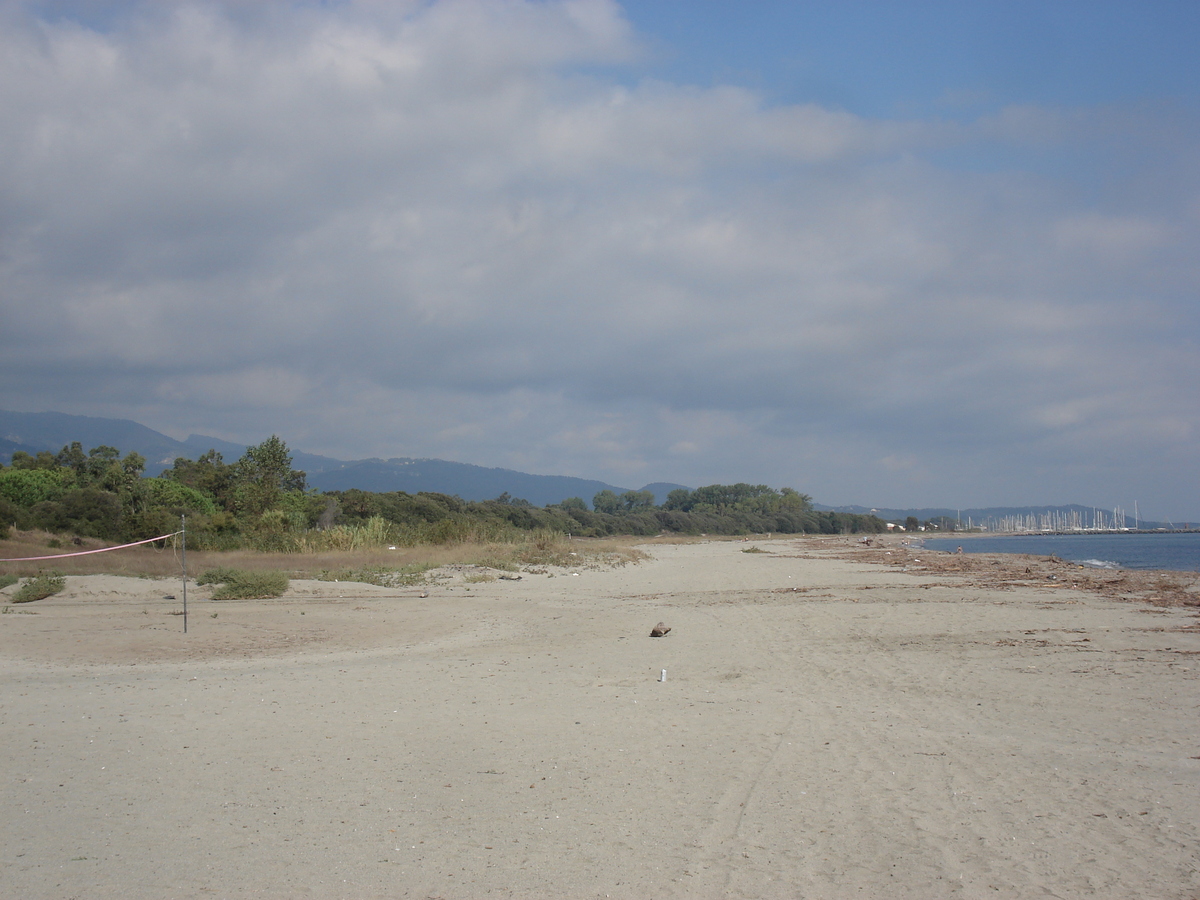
[(466, 481), (51, 431), (33, 432), (660, 490)]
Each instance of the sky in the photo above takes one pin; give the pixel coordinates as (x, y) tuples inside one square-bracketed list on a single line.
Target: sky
[(936, 254)]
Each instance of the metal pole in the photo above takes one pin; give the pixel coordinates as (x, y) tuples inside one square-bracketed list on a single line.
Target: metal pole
[(183, 556)]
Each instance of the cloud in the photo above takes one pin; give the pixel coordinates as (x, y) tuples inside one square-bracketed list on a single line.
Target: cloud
[(466, 229)]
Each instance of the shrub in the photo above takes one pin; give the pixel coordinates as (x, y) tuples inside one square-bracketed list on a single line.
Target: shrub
[(10, 514), (25, 487), (44, 585), (405, 576), (239, 584), (90, 512), (219, 575)]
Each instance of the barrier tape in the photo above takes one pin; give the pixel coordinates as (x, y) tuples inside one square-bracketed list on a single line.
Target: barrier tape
[(161, 537)]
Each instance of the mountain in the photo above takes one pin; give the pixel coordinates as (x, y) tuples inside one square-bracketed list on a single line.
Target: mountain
[(466, 481), (660, 490), (198, 444), (33, 432)]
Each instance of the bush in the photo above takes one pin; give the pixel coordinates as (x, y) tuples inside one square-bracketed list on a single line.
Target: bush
[(39, 588), (219, 575), (10, 513), (89, 512), (26, 487), (240, 584)]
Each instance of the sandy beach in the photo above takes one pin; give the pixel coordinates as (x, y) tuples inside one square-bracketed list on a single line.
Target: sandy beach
[(836, 720)]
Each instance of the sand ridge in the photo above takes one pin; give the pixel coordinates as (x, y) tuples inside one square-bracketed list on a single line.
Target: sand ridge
[(837, 721)]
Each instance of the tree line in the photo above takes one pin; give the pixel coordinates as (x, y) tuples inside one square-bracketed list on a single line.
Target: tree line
[(260, 501)]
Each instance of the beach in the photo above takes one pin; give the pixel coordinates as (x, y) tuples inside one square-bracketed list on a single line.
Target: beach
[(825, 719)]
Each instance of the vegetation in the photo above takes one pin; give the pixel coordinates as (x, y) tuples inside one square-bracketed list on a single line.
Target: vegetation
[(243, 584), (261, 503), (40, 587), (383, 576)]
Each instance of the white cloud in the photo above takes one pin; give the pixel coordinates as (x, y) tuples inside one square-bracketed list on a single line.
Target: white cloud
[(440, 229), (1110, 239)]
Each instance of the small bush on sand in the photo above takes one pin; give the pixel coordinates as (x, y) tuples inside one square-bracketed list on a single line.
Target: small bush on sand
[(240, 584), (218, 575), (44, 585), (383, 576)]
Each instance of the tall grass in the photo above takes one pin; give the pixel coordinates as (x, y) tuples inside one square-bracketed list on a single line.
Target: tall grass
[(376, 532)]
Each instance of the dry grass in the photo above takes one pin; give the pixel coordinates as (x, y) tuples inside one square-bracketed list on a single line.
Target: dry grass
[(148, 561)]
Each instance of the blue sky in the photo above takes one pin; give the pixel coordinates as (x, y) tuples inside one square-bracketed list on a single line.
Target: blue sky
[(892, 59), (900, 255)]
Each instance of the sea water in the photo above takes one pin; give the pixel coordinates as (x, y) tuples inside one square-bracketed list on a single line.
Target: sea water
[(1176, 551)]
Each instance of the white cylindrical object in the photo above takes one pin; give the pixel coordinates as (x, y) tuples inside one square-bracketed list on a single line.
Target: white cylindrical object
[(663, 676)]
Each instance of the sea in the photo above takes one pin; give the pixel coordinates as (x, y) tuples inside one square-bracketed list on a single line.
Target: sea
[(1177, 551)]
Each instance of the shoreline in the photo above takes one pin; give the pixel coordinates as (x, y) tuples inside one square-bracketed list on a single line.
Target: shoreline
[(1133, 552), (835, 720)]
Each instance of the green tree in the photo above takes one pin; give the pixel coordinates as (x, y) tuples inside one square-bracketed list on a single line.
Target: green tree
[(100, 461), (723, 497), (27, 487), (606, 502), (44, 460), (124, 478), (263, 475), (794, 501), (210, 474), (680, 498), (636, 501), (162, 493), (72, 457)]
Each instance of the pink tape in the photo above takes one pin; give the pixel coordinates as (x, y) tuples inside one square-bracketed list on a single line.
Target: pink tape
[(86, 552)]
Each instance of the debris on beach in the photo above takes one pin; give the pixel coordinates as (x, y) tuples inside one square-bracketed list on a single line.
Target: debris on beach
[(659, 630)]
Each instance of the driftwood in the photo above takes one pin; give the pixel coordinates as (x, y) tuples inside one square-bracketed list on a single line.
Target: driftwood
[(659, 630)]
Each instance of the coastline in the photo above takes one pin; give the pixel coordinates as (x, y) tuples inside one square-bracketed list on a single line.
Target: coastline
[(1128, 551), (836, 720)]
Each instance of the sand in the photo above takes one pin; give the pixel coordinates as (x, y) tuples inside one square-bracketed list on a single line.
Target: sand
[(834, 722)]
